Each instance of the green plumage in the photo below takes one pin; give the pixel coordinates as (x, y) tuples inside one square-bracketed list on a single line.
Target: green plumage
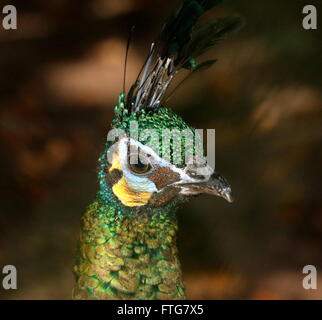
[(163, 121), (124, 256), (129, 252)]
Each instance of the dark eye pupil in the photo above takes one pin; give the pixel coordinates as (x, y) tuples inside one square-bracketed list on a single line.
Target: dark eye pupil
[(140, 167)]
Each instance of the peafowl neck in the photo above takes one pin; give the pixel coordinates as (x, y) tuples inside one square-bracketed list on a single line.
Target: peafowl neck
[(128, 254)]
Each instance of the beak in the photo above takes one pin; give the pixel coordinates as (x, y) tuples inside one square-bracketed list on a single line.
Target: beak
[(216, 185)]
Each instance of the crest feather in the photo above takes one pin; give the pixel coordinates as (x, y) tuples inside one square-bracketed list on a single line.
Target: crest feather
[(180, 43)]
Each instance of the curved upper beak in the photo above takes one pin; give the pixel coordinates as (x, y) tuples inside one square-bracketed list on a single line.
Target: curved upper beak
[(216, 185)]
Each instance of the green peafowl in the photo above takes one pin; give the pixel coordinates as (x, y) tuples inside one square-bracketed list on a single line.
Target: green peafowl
[(127, 247)]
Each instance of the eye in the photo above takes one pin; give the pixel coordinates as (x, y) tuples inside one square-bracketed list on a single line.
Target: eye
[(139, 167)]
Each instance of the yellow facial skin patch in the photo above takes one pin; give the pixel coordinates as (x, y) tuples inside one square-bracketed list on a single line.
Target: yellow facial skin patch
[(129, 197), (122, 190)]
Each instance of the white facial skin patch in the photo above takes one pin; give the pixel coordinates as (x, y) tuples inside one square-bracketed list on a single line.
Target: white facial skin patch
[(141, 183)]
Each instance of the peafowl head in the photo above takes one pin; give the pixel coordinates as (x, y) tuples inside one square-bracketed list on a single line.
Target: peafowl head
[(152, 157)]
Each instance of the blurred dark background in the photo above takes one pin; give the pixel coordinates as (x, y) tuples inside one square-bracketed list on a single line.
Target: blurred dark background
[(61, 72)]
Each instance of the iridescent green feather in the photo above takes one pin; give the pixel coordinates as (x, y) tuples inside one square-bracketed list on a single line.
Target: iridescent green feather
[(127, 257), (130, 252)]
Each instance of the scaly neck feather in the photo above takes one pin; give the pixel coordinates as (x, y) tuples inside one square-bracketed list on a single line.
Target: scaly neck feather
[(128, 254)]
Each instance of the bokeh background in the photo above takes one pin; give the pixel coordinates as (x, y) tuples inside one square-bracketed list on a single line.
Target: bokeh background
[(61, 72)]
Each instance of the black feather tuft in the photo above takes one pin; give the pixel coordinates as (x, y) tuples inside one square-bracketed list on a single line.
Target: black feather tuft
[(206, 36), (177, 31), (180, 43)]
